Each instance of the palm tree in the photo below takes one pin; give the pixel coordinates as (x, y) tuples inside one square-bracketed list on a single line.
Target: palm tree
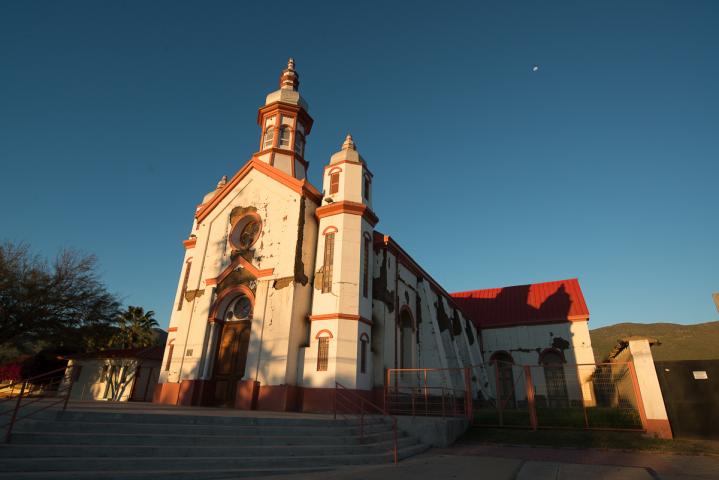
[(135, 328)]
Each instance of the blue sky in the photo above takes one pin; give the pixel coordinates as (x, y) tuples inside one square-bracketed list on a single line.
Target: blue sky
[(117, 117)]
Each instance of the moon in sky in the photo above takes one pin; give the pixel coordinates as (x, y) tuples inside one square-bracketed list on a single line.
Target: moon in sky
[(535, 68)]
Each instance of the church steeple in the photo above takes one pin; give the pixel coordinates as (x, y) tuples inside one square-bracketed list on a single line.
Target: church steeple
[(285, 125), (289, 78)]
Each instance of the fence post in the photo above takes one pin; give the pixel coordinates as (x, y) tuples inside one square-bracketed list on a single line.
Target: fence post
[(530, 396), (14, 412), (426, 396)]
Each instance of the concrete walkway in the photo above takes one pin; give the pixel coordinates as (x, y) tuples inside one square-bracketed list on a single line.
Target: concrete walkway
[(492, 462), (437, 466)]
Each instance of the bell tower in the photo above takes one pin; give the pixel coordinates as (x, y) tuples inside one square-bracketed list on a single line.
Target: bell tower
[(285, 124), (341, 320)]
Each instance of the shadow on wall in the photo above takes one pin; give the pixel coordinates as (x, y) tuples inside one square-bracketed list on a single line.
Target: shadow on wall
[(516, 305)]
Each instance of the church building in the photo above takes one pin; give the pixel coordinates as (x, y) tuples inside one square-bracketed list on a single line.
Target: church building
[(287, 290)]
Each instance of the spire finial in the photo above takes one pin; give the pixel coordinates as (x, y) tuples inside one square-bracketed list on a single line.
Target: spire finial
[(289, 78), (349, 143)]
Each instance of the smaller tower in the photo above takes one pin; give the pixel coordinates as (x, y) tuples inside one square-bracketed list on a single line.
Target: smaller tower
[(340, 336), (285, 125)]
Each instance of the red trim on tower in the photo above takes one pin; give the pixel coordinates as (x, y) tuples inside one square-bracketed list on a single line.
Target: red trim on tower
[(340, 316), (189, 243), (351, 208), (329, 334), (331, 165)]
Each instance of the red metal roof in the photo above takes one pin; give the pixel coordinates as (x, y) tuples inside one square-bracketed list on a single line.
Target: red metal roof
[(537, 303)]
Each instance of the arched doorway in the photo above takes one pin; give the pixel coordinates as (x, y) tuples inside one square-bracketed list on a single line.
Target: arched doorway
[(554, 379), (232, 345), (504, 370)]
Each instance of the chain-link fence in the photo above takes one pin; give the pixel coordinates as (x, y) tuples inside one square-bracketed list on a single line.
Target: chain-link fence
[(551, 395)]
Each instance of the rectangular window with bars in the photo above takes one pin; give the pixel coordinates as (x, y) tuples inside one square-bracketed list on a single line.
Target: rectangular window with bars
[(365, 267), (329, 260), (169, 357), (323, 354), (334, 183), (184, 285), (363, 356)]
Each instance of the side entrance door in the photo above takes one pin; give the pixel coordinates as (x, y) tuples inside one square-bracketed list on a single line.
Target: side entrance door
[(231, 360)]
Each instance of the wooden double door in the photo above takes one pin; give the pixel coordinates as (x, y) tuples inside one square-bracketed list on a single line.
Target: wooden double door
[(230, 361)]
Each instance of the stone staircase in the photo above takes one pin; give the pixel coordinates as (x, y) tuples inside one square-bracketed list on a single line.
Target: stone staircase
[(107, 445)]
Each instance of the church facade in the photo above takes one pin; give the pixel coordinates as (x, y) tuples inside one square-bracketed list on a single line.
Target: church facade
[(287, 290)]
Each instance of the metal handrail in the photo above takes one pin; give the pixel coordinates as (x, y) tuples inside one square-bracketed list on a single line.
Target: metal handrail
[(64, 399), (344, 394)]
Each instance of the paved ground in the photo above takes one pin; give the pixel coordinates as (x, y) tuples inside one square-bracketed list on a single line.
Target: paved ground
[(492, 462)]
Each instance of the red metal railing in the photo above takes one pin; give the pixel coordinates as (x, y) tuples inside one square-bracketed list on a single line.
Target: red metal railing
[(411, 391), (350, 403), (45, 391), (601, 396)]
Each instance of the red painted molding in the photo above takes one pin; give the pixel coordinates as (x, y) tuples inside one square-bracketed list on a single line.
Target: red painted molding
[(303, 187), (331, 165), (189, 243), (171, 329), (351, 208), (329, 334), (340, 316), (240, 262), (227, 294), (330, 229)]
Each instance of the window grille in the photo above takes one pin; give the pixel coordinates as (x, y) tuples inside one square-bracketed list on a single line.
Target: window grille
[(334, 183), (184, 286), (269, 137), (363, 356), (284, 137), (329, 260), (323, 353), (169, 357), (365, 274)]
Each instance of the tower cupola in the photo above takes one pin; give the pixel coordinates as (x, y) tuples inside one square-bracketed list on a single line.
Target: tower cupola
[(285, 125)]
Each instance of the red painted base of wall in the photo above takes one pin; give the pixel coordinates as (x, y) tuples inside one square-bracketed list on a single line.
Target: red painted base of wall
[(659, 429), (253, 396), (189, 392), (247, 394)]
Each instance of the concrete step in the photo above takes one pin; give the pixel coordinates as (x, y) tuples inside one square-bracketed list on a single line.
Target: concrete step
[(69, 438), (31, 425), (218, 419), (125, 464), (171, 450), (170, 474)]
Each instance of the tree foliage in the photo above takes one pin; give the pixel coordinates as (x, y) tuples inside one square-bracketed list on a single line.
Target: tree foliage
[(135, 328), (57, 303)]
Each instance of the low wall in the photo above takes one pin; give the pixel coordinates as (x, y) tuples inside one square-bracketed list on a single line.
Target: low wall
[(433, 431)]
